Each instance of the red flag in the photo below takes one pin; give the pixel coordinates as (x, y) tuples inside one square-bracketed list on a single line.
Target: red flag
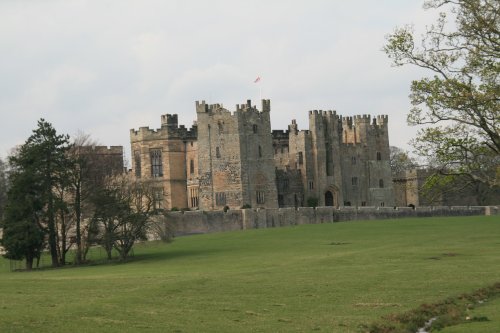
[(257, 79)]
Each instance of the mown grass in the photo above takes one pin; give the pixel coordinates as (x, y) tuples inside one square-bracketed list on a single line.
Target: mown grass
[(337, 277)]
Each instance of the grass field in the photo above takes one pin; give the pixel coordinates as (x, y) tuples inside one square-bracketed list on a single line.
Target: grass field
[(327, 278)]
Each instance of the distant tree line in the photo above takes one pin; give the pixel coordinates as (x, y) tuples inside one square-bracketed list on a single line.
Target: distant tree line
[(59, 195)]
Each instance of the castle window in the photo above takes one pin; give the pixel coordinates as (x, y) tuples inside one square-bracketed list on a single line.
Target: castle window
[(217, 152), (285, 184), (311, 185), (260, 197), (158, 198), (194, 197), (281, 200), (156, 163), (137, 162), (254, 127), (381, 183), (191, 166), (379, 156), (354, 181), (301, 158), (221, 127), (363, 203), (347, 203), (260, 151), (382, 204), (220, 199), (353, 160)]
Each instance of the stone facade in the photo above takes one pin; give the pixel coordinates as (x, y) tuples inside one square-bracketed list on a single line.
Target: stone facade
[(234, 159)]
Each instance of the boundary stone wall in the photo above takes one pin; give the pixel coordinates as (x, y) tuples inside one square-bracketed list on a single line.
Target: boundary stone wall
[(200, 222)]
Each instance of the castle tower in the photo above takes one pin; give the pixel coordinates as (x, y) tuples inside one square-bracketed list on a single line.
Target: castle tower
[(159, 157), (235, 156), (325, 158)]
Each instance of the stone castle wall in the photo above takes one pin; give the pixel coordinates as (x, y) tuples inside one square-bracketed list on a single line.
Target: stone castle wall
[(200, 222)]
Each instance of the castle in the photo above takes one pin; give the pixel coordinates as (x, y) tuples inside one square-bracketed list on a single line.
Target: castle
[(234, 159)]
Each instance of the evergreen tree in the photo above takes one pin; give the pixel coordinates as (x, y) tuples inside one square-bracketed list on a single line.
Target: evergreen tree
[(23, 236), (43, 161)]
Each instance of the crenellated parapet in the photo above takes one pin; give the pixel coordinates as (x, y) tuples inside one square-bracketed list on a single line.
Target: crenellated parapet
[(170, 129), (101, 150), (203, 107), (381, 121)]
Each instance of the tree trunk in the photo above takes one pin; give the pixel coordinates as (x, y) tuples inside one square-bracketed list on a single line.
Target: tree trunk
[(52, 231), (78, 210), (29, 263)]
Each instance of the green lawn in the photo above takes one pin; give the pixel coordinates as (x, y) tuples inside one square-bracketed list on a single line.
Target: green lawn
[(326, 278)]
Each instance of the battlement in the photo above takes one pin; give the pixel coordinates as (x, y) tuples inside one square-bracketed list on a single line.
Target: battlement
[(280, 134), (101, 150), (202, 107), (347, 122), (170, 120), (363, 120), (169, 129), (322, 113), (381, 120)]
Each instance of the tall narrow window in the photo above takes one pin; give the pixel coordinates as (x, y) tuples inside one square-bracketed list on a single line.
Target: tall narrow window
[(260, 197), (260, 151), (311, 185), (254, 127), (156, 163), (381, 183), (217, 152), (220, 198), (301, 158), (379, 156), (354, 181), (194, 197), (353, 160), (137, 162), (191, 166)]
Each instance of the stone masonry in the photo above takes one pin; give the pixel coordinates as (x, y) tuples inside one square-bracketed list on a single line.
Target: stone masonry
[(234, 159)]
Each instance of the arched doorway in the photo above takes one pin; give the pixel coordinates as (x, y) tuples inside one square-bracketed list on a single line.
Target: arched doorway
[(328, 198)]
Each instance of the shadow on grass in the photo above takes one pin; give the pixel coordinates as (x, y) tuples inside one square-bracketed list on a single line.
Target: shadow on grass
[(173, 254), (160, 254)]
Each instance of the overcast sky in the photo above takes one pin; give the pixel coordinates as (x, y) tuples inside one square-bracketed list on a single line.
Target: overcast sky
[(104, 67)]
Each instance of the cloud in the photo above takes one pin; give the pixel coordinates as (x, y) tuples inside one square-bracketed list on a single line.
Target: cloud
[(105, 66)]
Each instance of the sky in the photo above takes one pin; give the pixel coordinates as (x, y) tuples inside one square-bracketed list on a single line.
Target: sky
[(104, 67)]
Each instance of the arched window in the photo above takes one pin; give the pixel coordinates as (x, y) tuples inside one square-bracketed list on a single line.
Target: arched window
[(254, 127)]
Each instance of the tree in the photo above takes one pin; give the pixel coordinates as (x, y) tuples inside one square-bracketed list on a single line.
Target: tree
[(43, 161), (400, 160), (122, 213), (3, 187), (23, 235), (459, 103)]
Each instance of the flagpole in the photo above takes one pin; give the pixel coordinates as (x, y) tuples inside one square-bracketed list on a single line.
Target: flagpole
[(257, 80)]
